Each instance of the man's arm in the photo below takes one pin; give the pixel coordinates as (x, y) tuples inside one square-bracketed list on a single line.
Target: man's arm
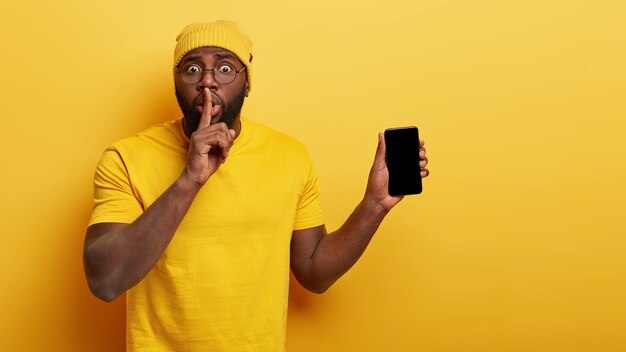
[(117, 256), (319, 259)]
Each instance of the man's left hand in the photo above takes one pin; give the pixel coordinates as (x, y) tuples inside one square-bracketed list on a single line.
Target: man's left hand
[(378, 183)]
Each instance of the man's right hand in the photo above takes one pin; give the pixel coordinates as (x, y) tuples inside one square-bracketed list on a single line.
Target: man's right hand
[(208, 146)]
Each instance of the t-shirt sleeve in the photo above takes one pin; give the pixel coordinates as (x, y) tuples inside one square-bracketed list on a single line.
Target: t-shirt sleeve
[(114, 199), (309, 212)]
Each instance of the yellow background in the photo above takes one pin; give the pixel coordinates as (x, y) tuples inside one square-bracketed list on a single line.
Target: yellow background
[(516, 244)]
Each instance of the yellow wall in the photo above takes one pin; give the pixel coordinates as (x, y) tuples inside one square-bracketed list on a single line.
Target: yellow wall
[(516, 244)]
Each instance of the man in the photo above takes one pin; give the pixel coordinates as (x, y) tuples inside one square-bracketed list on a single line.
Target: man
[(200, 219)]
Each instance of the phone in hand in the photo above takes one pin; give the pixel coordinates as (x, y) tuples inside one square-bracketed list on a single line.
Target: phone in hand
[(403, 158)]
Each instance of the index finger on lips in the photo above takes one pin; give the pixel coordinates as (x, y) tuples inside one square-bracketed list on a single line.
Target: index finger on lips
[(205, 119)]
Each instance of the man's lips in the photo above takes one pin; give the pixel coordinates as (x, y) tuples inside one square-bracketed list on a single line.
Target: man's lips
[(214, 112), (217, 106)]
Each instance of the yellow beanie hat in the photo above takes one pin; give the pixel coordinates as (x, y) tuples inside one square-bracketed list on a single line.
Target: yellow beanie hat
[(222, 33)]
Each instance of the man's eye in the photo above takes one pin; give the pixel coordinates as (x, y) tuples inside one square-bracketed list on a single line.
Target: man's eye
[(224, 69), (193, 69)]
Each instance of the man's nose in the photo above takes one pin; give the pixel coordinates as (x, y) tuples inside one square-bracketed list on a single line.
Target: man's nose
[(208, 80)]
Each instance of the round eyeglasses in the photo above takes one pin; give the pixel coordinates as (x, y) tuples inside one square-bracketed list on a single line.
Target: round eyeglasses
[(223, 72)]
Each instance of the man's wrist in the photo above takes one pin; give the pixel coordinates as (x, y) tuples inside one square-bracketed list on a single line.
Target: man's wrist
[(186, 185), (373, 209)]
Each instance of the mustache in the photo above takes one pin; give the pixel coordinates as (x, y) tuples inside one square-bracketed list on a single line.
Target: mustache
[(199, 100)]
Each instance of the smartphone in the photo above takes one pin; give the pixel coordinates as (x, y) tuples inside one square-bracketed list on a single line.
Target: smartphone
[(403, 158)]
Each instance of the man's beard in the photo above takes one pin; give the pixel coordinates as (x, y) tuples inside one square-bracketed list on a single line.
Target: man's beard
[(230, 111)]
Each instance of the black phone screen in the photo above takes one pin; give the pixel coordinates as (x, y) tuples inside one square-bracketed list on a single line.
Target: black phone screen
[(403, 159)]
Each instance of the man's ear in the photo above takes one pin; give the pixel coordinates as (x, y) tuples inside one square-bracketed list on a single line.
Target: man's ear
[(247, 89)]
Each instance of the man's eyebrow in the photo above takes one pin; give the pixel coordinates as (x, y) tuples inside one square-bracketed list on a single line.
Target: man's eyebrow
[(224, 55), (191, 58)]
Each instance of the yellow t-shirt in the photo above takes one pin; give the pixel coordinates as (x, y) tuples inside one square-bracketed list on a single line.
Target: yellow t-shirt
[(222, 283)]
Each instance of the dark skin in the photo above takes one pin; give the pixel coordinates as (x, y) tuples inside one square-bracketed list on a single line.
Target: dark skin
[(117, 256)]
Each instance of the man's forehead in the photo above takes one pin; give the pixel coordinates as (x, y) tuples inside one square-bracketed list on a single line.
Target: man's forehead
[(216, 52)]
